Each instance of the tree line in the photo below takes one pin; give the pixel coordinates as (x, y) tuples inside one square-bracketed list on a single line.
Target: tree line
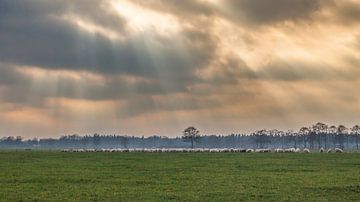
[(316, 136)]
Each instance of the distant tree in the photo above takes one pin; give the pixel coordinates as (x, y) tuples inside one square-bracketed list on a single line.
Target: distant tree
[(96, 140), (319, 130), (191, 134), (261, 138), (356, 132), (341, 131), (293, 136), (332, 130), (125, 142), (304, 132), (18, 140)]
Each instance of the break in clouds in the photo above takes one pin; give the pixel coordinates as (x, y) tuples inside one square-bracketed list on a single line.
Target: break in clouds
[(155, 66)]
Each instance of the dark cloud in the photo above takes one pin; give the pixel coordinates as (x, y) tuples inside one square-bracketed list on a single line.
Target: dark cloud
[(96, 11), (43, 39), (349, 12), (302, 70), (269, 11), (9, 76), (17, 86), (233, 69), (240, 11)]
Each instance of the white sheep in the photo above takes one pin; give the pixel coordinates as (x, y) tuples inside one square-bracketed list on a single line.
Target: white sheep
[(321, 150), (289, 150), (262, 150), (266, 150), (329, 150), (306, 150), (338, 150), (249, 150)]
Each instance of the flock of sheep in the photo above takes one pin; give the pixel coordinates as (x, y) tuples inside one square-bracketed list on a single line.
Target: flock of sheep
[(197, 150)]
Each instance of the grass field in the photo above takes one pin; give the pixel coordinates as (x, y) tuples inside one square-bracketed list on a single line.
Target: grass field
[(56, 176)]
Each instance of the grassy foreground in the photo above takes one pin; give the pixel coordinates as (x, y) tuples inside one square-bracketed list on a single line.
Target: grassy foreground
[(56, 176)]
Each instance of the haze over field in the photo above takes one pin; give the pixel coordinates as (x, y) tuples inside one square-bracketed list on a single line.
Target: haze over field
[(145, 67)]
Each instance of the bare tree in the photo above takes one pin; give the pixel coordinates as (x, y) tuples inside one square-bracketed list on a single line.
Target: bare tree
[(303, 132), (341, 131), (332, 130), (261, 138), (293, 136), (191, 134), (96, 140), (320, 130), (356, 132)]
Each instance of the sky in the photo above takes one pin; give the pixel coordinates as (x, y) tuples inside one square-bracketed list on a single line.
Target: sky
[(154, 67)]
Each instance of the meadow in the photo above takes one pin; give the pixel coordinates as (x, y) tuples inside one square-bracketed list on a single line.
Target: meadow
[(57, 176)]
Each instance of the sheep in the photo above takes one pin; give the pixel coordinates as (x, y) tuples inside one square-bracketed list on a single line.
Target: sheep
[(242, 150), (180, 150), (329, 151), (249, 150), (297, 150), (262, 150), (306, 150), (226, 150), (321, 150), (278, 150), (338, 150), (290, 150)]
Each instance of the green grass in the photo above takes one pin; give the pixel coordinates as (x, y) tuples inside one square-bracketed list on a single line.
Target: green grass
[(56, 176)]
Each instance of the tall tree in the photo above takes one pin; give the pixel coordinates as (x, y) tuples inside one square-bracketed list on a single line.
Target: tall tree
[(191, 134), (341, 131), (293, 136), (261, 138), (332, 131), (96, 140), (304, 132), (319, 130), (356, 132)]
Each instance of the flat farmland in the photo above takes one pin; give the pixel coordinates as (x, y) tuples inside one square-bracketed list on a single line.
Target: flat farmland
[(57, 176)]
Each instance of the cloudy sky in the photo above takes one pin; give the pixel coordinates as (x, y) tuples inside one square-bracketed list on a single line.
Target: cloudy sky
[(153, 67)]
